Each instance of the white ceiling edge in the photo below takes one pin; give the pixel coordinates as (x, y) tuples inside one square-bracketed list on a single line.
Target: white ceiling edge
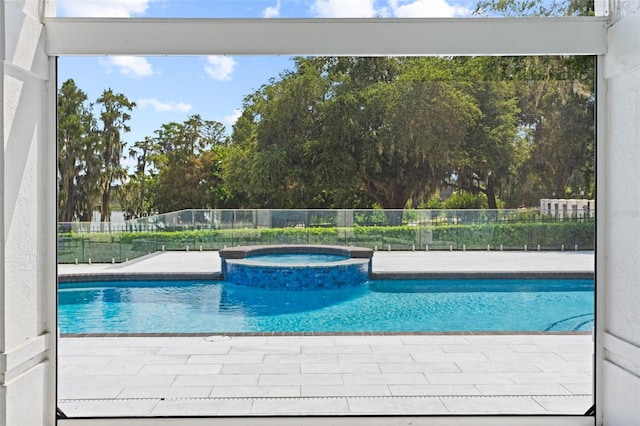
[(428, 37)]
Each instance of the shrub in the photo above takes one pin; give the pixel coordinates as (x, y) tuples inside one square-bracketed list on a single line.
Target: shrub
[(466, 200)]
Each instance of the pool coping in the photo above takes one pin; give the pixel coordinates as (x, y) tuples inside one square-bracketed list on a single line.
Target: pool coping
[(434, 275), (139, 276), (241, 252), (218, 276)]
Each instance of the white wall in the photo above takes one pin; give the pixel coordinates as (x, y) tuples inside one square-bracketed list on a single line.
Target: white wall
[(28, 250), (619, 285), (561, 207)]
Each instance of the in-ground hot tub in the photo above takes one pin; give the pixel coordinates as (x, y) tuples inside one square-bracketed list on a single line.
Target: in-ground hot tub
[(296, 267)]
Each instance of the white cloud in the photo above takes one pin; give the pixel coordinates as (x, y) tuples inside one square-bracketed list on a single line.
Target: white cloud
[(163, 106), (220, 67), (344, 9), (131, 66), (103, 8), (395, 8), (272, 11), (233, 117), (426, 9)]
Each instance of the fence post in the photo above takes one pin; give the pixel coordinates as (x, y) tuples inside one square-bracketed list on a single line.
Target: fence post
[(344, 228), (306, 224)]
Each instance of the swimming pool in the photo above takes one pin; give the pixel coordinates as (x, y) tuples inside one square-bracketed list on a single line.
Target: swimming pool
[(378, 306)]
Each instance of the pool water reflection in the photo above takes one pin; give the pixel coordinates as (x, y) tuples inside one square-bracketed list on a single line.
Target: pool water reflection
[(378, 306)]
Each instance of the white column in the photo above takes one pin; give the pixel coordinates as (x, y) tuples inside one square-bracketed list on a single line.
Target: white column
[(618, 347), (27, 225)]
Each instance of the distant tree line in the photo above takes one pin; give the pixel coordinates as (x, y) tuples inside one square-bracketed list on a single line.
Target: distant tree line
[(89, 151), (347, 132)]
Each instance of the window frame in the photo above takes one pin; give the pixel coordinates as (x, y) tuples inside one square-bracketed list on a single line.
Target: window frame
[(366, 37)]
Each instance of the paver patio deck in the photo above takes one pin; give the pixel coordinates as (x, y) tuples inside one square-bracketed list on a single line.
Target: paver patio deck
[(216, 375), (383, 262)]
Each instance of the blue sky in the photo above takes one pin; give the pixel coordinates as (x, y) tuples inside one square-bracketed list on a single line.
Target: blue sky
[(172, 88), (265, 8)]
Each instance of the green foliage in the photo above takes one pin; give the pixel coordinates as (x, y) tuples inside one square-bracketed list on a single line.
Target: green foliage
[(550, 235), (400, 122), (535, 8), (281, 159), (433, 203), (78, 163), (491, 148), (181, 167), (352, 132), (114, 115), (466, 200)]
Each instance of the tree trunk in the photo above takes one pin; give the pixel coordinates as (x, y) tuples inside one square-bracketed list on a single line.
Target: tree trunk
[(105, 212), (67, 210), (394, 217), (491, 193)]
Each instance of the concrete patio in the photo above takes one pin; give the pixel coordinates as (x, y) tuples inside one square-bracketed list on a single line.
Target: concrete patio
[(219, 375)]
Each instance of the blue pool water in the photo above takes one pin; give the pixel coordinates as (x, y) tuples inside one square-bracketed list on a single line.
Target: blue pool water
[(296, 258), (378, 306)]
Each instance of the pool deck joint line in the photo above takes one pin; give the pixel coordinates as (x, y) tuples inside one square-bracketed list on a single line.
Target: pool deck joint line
[(298, 398)]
